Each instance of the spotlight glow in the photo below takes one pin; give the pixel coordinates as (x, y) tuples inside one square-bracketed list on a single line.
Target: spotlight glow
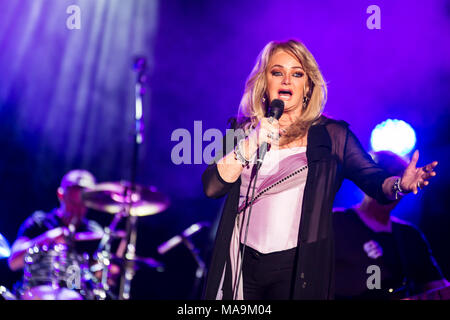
[(393, 135)]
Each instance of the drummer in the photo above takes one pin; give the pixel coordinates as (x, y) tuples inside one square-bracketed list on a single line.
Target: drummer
[(56, 226)]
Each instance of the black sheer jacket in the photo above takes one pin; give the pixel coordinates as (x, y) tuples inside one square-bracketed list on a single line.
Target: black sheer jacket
[(333, 153)]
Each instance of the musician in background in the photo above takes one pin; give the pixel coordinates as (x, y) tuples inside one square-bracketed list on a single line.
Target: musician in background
[(368, 235), (47, 228)]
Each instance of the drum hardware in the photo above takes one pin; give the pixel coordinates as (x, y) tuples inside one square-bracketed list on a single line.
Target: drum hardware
[(6, 294), (117, 198), (58, 272), (140, 65), (145, 262), (5, 252), (5, 248), (184, 238), (92, 236), (47, 268), (125, 200), (55, 272), (442, 293), (141, 261), (103, 255), (130, 200)]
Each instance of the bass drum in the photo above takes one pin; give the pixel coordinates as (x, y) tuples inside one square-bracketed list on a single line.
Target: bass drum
[(55, 273)]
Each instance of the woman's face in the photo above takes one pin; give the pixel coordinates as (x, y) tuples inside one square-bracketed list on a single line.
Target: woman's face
[(286, 80)]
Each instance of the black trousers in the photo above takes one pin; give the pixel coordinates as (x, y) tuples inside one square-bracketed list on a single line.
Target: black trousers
[(268, 276)]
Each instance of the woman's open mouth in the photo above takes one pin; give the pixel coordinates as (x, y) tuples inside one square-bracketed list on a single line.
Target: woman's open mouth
[(285, 94)]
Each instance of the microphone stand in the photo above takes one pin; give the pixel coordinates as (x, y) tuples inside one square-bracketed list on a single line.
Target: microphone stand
[(275, 111), (184, 238), (201, 268), (256, 168), (128, 274)]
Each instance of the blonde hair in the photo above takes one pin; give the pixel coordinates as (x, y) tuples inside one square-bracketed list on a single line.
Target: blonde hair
[(252, 107)]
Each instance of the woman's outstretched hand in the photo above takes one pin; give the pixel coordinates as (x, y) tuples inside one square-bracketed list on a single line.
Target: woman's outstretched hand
[(415, 177)]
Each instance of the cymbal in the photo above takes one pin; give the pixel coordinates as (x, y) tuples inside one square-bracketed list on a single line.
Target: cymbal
[(115, 197), (5, 249)]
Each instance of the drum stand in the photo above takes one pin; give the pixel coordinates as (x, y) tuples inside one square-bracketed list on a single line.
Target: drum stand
[(128, 274), (6, 294), (104, 256), (104, 251)]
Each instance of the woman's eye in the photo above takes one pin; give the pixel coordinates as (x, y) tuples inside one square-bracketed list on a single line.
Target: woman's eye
[(276, 73), (298, 74)]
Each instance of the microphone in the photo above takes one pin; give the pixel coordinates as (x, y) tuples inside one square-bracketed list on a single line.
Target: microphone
[(275, 111)]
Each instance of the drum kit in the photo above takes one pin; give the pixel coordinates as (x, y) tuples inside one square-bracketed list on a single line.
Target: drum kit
[(58, 272)]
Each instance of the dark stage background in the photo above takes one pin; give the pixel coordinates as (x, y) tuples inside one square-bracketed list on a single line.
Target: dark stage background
[(67, 101)]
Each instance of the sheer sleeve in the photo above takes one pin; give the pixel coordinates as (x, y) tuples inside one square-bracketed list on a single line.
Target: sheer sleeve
[(360, 168), (213, 184)]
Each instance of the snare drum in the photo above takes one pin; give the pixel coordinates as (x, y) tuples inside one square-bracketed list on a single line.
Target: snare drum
[(54, 273)]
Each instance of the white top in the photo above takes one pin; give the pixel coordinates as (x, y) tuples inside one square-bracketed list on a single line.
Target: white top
[(275, 216)]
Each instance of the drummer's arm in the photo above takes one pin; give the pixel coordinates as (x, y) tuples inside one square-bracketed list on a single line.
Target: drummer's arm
[(22, 244), (19, 247)]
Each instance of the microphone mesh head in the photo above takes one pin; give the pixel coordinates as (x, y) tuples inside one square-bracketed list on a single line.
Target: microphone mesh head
[(276, 109)]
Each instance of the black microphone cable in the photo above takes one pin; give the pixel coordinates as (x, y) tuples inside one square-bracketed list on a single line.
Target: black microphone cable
[(237, 281), (276, 109)]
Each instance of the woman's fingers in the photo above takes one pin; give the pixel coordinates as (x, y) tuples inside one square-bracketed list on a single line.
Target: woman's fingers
[(268, 132), (414, 159), (270, 126), (428, 170), (428, 175), (414, 178), (415, 189), (430, 167)]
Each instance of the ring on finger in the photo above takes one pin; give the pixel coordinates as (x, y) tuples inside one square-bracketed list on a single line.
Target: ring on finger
[(275, 136)]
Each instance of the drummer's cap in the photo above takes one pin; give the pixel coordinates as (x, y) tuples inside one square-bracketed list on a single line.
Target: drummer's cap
[(78, 178)]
